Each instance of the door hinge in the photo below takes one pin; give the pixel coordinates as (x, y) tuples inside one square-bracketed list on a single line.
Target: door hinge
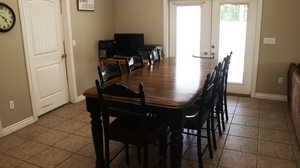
[(61, 8), (64, 48)]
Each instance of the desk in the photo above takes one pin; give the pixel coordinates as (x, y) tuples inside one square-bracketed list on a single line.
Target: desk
[(170, 86)]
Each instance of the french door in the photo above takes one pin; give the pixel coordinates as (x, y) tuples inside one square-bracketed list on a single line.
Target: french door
[(211, 29)]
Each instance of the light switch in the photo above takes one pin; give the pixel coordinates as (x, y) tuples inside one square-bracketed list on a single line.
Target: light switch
[(270, 41), (74, 43)]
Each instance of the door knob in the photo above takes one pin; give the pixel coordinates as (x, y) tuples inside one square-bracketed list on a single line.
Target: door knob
[(64, 56), (205, 53), (213, 46)]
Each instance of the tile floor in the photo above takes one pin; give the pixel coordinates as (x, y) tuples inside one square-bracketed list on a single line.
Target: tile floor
[(258, 135)]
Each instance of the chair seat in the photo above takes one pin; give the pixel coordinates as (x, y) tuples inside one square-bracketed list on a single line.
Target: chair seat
[(135, 132), (195, 117)]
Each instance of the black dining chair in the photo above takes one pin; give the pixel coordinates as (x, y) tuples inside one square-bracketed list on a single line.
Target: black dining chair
[(109, 72), (134, 62), (199, 116), (227, 64), (134, 125), (153, 57)]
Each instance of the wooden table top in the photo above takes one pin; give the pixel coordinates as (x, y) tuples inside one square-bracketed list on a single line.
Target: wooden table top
[(171, 83)]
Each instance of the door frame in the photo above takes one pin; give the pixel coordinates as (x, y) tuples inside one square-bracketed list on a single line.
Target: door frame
[(257, 38), (70, 66)]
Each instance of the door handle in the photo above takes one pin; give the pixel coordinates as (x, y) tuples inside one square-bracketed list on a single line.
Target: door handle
[(64, 56)]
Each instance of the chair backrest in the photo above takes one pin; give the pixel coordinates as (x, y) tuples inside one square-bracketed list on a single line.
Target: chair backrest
[(227, 61), (134, 63), (109, 72), (154, 56)]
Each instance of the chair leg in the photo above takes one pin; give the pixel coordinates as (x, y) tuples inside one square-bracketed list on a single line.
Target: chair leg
[(145, 156), (225, 106), (212, 127), (218, 119), (163, 149), (127, 154), (208, 132), (200, 161), (139, 154)]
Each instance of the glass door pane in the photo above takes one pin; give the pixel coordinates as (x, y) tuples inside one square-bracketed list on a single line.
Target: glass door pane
[(188, 31), (232, 37)]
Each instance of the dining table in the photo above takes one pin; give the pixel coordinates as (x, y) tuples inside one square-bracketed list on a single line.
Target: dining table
[(170, 85)]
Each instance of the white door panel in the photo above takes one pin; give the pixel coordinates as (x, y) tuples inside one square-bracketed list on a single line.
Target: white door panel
[(43, 22), (224, 26), (233, 27)]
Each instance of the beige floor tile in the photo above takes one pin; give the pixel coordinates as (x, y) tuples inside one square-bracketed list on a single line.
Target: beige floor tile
[(243, 131), (248, 102), (50, 158), (241, 144), (246, 111), (50, 121), (84, 131), (275, 136), (269, 104), (8, 162), (194, 164), (267, 114), (10, 141), (72, 143), (26, 165), (278, 150), (244, 120), (77, 161), (84, 117), (51, 137), (88, 151), (234, 159), (70, 126), (274, 124), (31, 132), (68, 111), (268, 162), (27, 150)]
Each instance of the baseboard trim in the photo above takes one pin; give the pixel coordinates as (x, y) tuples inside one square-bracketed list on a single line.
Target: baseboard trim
[(270, 96), (79, 99), (17, 126)]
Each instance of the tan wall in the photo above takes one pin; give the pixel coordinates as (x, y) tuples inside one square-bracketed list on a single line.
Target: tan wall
[(14, 83), (280, 20), (88, 28), (140, 16)]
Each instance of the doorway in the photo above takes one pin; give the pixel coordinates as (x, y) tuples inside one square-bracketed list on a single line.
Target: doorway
[(42, 25), (219, 27)]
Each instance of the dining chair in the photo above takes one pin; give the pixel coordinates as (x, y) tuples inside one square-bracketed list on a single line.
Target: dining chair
[(153, 57), (200, 114), (228, 60), (109, 72), (134, 63), (134, 124)]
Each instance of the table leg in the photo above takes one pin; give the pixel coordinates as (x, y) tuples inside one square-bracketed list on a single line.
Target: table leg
[(176, 142), (97, 133)]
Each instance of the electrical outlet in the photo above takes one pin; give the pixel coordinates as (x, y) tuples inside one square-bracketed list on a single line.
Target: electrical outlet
[(12, 105), (280, 80)]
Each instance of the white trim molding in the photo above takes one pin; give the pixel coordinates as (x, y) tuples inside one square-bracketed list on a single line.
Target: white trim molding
[(79, 99), (270, 96), (17, 126), (257, 46)]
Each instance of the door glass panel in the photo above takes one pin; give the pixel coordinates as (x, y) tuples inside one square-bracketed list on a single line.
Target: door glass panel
[(233, 33), (188, 30)]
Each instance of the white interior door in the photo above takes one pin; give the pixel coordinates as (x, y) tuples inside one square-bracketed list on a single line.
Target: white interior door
[(233, 29), (45, 50), (190, 28)]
